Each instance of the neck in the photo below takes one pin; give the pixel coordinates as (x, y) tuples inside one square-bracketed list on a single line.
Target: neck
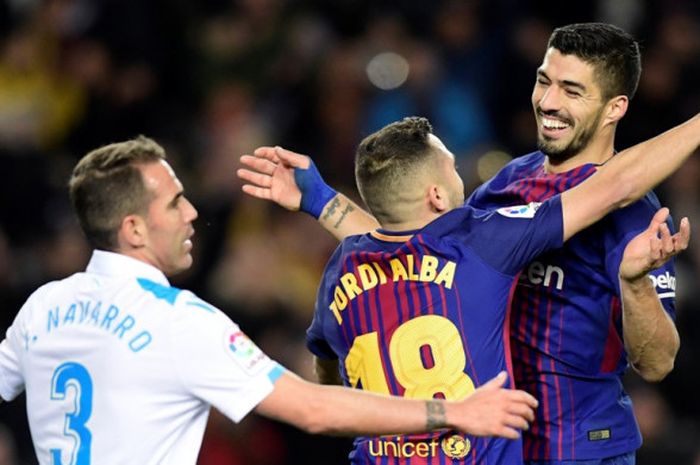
[(409, 225), (597, 152)]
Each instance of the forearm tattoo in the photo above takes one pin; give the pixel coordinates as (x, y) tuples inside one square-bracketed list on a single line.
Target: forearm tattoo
[(345, 212), (335, 203), (436, 414)]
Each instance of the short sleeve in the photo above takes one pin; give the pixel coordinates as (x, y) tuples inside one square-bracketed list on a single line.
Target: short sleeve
[(623, 226), (11, 378), (315, 339), (11, 348), (219, 364), (511, 237)]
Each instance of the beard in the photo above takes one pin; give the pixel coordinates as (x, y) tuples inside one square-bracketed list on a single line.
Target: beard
[(574, 147)]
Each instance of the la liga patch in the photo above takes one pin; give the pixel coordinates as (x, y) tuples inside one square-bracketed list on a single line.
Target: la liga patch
[(520, 211), (244, 351)]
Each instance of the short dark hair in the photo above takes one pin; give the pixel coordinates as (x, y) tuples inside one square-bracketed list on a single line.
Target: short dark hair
[(107, 185), (613, 53), (386, 160)]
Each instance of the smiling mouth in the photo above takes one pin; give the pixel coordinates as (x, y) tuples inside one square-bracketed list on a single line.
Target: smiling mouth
[(552, 127)]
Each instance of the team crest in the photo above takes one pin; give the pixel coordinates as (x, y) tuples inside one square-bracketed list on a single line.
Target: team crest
[(520, 211), (243, 350), (456, 446)]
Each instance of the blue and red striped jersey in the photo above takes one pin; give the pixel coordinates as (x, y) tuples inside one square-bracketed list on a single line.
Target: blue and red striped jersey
[(566, 326), (422, 314)]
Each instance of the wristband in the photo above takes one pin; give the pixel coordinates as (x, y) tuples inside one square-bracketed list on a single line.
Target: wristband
[(315, 193)]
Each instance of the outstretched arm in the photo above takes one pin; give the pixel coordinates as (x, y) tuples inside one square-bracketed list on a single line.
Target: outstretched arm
[(292, 181), (650, 336), (628, 176), (491, 410)]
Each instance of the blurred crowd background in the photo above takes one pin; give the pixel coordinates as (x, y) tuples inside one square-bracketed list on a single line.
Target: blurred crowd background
[(213, 79)]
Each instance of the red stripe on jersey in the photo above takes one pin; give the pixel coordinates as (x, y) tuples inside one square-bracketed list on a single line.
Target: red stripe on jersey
[(428, 293), (573, 419), (613, 343), (359, 303), (350, 330), (560, 434), (506, 332)]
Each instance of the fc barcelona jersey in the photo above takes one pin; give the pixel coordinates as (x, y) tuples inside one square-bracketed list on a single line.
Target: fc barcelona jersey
[(421, 314), (566, 325)]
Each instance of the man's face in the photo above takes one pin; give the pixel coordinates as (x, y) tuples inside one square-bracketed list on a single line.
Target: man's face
[(169, 219), (448, 173), (568, 105)]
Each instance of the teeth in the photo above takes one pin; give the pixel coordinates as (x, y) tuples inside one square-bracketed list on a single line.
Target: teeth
[(553, 124)]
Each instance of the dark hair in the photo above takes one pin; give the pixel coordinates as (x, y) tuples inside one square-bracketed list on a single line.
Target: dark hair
[(107, 185), (386, 160), (613, 52)]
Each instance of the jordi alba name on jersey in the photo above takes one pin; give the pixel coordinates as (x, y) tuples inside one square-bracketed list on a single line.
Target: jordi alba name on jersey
[(566, 333), (121, 368), (422, 313)]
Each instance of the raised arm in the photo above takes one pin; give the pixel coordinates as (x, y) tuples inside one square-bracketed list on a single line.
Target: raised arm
[(491, 410), (650, 336), (292, 181), (628, 176)]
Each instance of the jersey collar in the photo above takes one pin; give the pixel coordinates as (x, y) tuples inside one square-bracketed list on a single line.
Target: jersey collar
[(115, 264), (393, 236)]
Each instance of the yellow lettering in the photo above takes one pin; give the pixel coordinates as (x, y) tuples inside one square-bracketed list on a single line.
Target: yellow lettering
[(336, 312), (405, 451), (422, 449), (411, 268), (428, 268), (380, 272), (433, 446), (368, 277), (341, 301), (371, 449), (397, 270), (395, 451), (349, 282), (447, 275)]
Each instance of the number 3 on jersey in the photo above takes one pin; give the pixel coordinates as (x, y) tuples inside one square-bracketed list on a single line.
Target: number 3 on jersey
[(409, 344), (75, 375)]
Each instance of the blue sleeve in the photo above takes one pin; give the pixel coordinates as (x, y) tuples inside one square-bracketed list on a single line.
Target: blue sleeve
[(623, 225), (509, 238), (315, 339)]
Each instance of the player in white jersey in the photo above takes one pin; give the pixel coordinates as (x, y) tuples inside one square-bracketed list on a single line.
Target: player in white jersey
[(119, 367)]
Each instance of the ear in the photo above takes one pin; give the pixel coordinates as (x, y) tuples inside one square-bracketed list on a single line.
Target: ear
[(133, 232), (616, 109), (437, 198)]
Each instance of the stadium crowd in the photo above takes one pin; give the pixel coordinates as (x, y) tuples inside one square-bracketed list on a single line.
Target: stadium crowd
[(214, 79)]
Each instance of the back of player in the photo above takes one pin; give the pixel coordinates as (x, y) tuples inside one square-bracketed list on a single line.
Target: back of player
[(421, 314), (115, 367)]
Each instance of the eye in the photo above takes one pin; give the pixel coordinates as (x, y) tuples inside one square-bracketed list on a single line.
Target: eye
[(573, 93)]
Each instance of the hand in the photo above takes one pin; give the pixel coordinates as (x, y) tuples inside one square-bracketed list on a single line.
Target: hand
[(492, 410), (270, 175), (287, 178), (653, 247)]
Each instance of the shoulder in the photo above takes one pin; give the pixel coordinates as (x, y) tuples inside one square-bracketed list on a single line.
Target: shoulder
[(53, 288), (185, 304), (528, 161), (637, 214)]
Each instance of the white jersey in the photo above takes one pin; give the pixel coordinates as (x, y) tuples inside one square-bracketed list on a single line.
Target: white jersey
[(121, 368)]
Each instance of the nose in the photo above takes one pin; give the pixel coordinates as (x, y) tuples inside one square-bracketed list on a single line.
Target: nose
[(549, 99), (190, 213)]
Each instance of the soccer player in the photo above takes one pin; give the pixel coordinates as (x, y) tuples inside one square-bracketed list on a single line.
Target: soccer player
[(119, 367), (568, 342)]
